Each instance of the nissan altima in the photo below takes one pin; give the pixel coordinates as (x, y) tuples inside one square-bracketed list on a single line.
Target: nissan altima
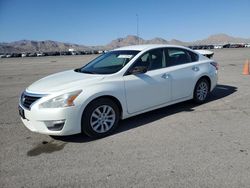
[(116, 85)]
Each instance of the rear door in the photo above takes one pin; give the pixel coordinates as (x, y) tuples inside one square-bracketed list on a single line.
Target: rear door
[(183, 67)]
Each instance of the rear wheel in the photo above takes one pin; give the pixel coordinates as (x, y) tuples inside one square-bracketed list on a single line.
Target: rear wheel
[(100, 118), (201, 91)]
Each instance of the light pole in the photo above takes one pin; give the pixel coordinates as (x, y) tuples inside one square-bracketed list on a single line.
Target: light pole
[(137, 28)]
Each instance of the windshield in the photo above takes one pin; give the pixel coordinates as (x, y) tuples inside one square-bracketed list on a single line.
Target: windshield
[(109, 63)]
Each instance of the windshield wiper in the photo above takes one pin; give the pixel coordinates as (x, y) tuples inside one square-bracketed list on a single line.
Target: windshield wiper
[(77, 70), (88, 72), (84, 71)]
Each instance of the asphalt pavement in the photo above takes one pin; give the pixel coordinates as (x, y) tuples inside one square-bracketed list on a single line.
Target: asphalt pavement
[(183, 145)]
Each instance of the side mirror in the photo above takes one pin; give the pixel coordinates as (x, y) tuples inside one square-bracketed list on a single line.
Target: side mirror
[(138, 70)]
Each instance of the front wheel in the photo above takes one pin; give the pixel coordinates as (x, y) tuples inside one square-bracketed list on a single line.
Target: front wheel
[(201, 91), (100, 118)]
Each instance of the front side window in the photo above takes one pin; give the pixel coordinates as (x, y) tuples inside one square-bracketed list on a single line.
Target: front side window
[(109, 63), (152, 59)]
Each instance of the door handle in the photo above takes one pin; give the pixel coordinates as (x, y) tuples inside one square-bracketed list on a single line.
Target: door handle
[(195, 68), (165, 76)]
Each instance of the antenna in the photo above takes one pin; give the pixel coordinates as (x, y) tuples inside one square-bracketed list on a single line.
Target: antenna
[(137, 27)]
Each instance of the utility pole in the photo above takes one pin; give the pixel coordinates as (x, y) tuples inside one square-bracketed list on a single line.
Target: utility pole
[(137, 27)]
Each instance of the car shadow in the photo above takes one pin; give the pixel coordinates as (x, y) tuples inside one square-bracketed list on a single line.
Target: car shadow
[(221, 91)]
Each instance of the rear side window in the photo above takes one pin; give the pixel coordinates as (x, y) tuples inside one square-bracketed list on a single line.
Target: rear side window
[(194, 56), (178, 56)]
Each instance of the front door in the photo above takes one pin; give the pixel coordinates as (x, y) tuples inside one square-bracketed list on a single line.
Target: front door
[(150, 89)]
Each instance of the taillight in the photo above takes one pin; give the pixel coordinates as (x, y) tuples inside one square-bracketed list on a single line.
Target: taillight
[(216, 65)]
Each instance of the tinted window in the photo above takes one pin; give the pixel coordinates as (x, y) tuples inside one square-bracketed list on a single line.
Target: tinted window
[(177, 56), (194, 56), (152, 59)]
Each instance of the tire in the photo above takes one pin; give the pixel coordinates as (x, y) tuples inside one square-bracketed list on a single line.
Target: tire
[(201, 91), (100, 118)]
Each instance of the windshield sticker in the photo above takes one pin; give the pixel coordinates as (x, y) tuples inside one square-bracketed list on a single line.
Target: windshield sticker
[(124, 56)]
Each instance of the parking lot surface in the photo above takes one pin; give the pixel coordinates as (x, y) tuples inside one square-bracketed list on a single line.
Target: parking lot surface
[(183, 145)]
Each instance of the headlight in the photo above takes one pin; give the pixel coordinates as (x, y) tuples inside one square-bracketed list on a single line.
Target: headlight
[(64, 100)]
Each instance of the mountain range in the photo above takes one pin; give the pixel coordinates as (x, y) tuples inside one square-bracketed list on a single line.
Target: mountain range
[(49, 45)]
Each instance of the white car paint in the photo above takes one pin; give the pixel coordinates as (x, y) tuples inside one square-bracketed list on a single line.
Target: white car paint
[(141, 90), (135, 93)]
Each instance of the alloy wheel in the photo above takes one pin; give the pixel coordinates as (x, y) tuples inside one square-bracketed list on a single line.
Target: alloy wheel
[(102, 119), (202, 91)]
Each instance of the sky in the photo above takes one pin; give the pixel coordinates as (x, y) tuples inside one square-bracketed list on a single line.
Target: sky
[(97, 22)]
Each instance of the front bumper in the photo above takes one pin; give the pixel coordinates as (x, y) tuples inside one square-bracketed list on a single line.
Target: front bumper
[(37, 119)]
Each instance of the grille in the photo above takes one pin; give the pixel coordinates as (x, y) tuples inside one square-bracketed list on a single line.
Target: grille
[(27, 100)]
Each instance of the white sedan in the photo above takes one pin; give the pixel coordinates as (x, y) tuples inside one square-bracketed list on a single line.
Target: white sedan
[(116, 85)]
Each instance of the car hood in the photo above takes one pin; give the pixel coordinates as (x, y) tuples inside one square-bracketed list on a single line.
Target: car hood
[(62, 81)]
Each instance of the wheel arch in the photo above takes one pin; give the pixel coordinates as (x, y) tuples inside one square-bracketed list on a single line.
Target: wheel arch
[(208, 79), (114, 99), (197, 99), (203, 77), (85, 126)]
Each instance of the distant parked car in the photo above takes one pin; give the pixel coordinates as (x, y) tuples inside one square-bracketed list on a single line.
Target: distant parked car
[(234, 46), (210, 47), (87, 52), (2, 56), (65, 53), (226, 46), (31, 55), (116, 85), (39, 54), (16, 55), (23, 55), (82, 53), (55, 53), (218, 46)]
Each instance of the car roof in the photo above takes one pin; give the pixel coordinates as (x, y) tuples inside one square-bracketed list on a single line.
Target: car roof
[(144, 47)]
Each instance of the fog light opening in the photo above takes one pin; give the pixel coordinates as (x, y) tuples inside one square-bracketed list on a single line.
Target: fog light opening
[(56, 125)]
